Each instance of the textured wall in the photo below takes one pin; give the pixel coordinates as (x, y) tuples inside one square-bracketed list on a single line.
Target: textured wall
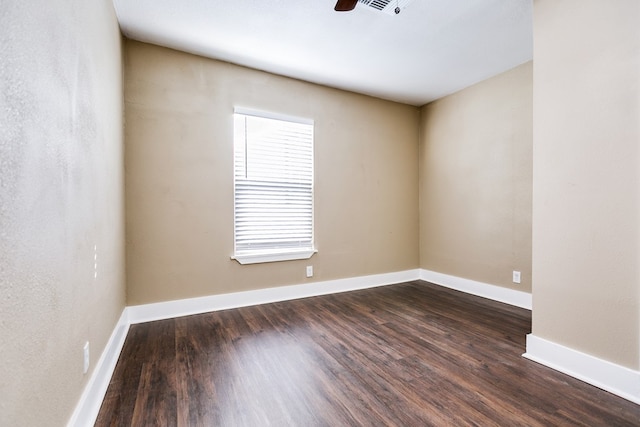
[(179, 177), (61, 195), (475, 181), (586, 211)]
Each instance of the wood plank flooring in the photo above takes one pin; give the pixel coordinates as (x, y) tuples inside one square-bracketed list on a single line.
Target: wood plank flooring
[(412, 354)]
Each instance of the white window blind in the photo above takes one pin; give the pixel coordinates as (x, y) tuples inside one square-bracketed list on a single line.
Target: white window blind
[(273, 188)]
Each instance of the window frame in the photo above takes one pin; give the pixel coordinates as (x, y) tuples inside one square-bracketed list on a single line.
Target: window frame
[(273, 254)]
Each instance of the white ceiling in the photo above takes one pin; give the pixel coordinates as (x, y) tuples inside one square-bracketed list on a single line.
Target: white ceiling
[(431, 49)]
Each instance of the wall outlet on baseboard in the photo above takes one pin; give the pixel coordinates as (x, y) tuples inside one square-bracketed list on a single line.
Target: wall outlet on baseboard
[(309, 270), (85, 353), (516, 276)]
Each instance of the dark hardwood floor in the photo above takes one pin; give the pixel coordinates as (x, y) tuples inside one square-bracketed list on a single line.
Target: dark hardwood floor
[(412, 354)]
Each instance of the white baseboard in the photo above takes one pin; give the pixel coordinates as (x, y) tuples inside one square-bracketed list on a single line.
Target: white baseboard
[(616, 379), (186, 307), (485, 290), (88, 406)]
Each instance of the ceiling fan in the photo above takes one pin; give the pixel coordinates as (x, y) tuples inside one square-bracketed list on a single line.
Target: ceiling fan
[(347, 5)]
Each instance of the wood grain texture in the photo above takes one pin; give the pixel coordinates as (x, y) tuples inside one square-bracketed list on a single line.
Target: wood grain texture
[(412, 354)]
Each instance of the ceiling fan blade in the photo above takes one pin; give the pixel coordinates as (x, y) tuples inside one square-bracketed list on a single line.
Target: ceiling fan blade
[(345, 5)]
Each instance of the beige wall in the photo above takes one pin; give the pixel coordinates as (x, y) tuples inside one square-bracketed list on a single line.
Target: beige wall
[(586, 212), (179, 177), (61, 193), (475, 181)]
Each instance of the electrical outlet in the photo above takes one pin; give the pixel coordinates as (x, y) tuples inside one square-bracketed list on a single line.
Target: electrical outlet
[(516, 276), (309, 270), (85, 352)]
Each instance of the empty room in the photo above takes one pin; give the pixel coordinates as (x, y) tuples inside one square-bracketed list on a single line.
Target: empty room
[(290, 213)]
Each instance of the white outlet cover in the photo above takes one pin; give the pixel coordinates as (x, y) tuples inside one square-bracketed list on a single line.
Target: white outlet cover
[(516, 277), (85, 352), (309, 271)]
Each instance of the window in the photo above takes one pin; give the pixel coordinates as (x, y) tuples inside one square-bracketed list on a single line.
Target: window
[(273, 187)]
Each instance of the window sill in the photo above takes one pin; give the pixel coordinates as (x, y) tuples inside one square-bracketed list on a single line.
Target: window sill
[(263, 257)]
